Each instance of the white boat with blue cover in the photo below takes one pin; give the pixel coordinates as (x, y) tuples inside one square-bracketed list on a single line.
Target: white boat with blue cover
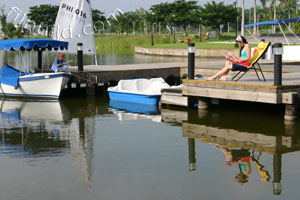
[(143, 91), (37, 85)]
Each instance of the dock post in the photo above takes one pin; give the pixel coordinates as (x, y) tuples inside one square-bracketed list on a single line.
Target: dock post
[(80, 56), (40, 57), (290, 128), (277, 165), (192, 154), (91, 87), (291, 109), (191, 60), (278, 51), (277, 186)]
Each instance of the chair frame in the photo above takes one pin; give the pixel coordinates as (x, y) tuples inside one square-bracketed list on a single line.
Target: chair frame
[(255, 66)]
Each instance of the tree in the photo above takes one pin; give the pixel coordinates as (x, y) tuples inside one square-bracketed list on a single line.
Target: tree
[(186, 13), (273, 5), (133, 19), (263, 3), (243, 18), (255, 17), (44, 15), (10, 30), (98, 19), (214, 15), (163, 13), (3, 20)]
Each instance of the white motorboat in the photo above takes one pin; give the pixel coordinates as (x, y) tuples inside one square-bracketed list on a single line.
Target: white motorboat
[(38, 85)]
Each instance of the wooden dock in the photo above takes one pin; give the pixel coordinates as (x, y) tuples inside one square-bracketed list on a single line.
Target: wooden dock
[(248, 89), (106, 74)]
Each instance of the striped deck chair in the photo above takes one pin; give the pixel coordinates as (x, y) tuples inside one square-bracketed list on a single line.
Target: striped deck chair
[(262, 48)]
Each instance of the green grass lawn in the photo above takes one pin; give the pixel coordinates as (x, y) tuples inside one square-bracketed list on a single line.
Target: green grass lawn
[(114, 42)]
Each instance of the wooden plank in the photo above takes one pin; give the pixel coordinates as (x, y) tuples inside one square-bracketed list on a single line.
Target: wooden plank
[(174, 100), (272, 98), (228, 83), (106, 76), (220, 85), (288, 98)]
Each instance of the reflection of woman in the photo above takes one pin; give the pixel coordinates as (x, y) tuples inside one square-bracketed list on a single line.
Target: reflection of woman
[(241, 157), (235, 64)]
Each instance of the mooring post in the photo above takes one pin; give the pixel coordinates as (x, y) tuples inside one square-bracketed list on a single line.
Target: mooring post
[(91, 86), (191, 70), (80, 56), (278, 51), (191, 60), (290, 128), (192, 155), (40, 59), (291, 109), (277, 163)]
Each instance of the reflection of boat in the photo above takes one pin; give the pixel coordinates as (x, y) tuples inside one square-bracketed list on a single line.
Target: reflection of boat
[(133, 107), (141, 91), (38, 129), (134, 111), (39, 85), (33, 110)]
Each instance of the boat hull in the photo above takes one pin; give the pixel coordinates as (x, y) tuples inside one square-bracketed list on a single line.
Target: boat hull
[(40, 85), (134, 98)]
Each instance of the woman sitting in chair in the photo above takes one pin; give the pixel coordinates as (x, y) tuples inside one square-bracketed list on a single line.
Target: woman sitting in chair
[(235, 64)]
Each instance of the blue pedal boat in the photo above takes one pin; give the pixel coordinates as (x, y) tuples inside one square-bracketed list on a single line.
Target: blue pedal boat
[(142, 91)]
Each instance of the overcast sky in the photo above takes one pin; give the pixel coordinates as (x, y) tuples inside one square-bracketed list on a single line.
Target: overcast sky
[(107, 6)]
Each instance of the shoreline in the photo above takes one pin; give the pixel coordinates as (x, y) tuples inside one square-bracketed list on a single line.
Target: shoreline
[(178, 52)]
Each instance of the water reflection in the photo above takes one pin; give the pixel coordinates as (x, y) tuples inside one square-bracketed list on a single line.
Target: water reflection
[(29, 60), (43, 129), (243, 142), (134, 111), (113, 149)]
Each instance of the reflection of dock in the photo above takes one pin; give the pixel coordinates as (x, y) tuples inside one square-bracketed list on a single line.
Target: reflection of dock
[(235, 139), (173, 116), (232, 134)]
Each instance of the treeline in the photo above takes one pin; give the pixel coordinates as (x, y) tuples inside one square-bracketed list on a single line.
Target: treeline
[(180, 15)]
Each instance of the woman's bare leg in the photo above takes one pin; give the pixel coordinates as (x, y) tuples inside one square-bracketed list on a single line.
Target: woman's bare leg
[(222, 72)]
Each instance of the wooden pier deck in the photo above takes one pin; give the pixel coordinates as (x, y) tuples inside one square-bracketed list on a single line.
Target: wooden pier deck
[(249, 89), (106, 73)]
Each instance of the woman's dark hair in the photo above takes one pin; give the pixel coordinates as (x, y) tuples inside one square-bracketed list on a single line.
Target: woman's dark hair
[(244, 42)]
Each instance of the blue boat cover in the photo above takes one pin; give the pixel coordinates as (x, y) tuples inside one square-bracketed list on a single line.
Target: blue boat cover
[(10, 76), (275, 22), (35, 44)]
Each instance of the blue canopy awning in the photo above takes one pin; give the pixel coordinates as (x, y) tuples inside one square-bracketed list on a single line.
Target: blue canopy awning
[(275, 22), (32, 44)]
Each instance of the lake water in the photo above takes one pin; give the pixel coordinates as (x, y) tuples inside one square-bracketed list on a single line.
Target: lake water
[(28, 60), (91, 148)]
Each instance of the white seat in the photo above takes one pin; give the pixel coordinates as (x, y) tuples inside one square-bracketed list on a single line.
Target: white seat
[(142, 84), (127, 85)]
